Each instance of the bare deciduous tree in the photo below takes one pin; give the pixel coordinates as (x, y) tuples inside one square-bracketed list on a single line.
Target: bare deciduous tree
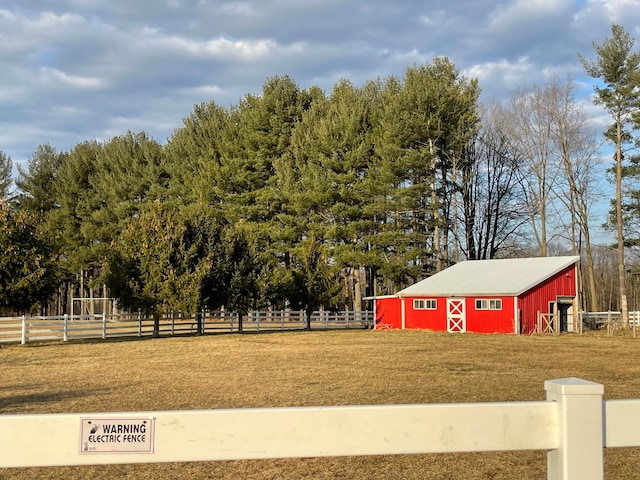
[(577, 150), (493, 210), (531, 130)]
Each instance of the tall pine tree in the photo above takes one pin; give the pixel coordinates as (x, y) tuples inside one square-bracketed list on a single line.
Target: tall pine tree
[(618, 67)]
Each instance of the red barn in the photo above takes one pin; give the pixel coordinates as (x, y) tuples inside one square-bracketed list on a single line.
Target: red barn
[(521, 295)]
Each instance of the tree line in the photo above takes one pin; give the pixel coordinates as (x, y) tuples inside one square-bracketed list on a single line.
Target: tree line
[(295, 198)]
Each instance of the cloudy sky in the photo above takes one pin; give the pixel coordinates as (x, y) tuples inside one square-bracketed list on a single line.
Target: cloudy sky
[(74, 70)]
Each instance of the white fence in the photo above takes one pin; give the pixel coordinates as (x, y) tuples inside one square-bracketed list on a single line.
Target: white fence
[(66, 327), (573, 425), (600, 319)]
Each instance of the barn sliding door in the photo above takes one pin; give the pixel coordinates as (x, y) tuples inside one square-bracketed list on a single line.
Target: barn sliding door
[(456, 320)]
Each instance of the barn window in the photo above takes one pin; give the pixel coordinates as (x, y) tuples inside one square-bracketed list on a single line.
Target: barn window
[(486, 304), (425, 304)]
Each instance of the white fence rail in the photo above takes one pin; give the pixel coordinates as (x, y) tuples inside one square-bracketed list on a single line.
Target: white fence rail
[(606, 319), (66, 327), (573, 425)]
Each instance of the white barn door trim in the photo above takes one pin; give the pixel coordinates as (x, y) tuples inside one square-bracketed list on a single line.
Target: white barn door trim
[(456, 318)]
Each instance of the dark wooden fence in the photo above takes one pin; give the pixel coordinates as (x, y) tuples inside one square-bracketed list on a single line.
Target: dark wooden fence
[(26, 329)]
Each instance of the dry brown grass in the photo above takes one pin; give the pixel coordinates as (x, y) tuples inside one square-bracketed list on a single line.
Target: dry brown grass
[(317, 368)]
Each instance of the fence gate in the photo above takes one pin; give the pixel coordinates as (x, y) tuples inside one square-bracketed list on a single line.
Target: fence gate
[(456, 319)]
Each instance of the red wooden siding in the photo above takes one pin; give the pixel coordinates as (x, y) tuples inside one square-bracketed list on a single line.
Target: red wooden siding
[(388, 313), (426, 319), (490, 321), (537, 299)]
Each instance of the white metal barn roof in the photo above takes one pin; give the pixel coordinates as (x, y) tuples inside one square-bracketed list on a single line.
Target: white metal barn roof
[(503, 277)]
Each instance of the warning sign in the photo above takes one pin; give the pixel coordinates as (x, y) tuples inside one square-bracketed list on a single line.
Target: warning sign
[(116, 435)]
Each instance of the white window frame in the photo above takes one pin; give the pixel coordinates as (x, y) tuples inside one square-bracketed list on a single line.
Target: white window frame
[(488, 304), (425, 304)]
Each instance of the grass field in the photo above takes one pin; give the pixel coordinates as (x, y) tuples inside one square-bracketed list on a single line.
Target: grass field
[(314, 368)]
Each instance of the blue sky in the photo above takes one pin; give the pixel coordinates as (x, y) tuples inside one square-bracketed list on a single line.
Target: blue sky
[(74, 70)]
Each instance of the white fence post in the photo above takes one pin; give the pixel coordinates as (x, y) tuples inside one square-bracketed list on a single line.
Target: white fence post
[(104, 326), (23, 340), (580, 430), (65, 327), (539, 323)]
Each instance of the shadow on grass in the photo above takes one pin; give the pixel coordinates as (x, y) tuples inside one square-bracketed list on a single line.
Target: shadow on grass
[(222, 333), (134, 338), (41, 398)]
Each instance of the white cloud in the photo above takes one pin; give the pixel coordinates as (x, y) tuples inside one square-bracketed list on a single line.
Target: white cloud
[(49, 21), (203, 91), (244, 48), (26, 30), (596, 16), (599, 118), (527, 11), (55, 75), (509, 75), (237, 8), (408, 57), (433, 18), (222, 47), (616, 10)]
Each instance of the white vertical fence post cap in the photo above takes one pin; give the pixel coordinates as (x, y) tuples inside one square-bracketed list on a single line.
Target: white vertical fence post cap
[(573, 386), (580, 454)]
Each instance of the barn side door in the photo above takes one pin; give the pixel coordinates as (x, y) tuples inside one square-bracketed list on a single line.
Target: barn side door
[(456, 319)]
